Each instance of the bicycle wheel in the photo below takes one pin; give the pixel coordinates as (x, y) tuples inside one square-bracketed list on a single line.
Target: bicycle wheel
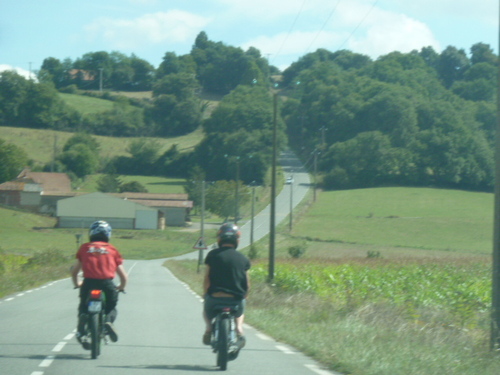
[(95, 337), (223, 344)]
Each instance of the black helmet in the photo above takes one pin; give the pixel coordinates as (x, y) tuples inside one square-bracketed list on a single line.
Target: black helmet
[(228, 234)]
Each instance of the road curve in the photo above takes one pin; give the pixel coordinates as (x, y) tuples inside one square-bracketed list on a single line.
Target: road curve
[(159, 324)]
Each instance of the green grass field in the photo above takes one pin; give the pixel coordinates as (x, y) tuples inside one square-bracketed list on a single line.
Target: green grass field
[(158, 185), (86, 104), (420, 218)]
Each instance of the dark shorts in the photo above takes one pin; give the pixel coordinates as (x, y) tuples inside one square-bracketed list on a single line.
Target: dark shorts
[(211, 302)]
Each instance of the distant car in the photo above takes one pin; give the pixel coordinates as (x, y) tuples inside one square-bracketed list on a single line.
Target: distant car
[(289, 180)]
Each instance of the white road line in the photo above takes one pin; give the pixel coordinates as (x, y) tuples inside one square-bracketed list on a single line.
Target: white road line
[(69, 337), (20, 295), (59, 346), (264, 337), (319, 371), (37, 373), (47, 361), (9, 299), (284, 349), (131, 268)]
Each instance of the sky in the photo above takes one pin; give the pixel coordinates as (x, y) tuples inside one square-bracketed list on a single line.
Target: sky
[(283, 30)]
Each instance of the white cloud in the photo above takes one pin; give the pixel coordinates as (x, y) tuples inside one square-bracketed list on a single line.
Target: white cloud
[(356, 26), (22, 72), (174, 26), (390, 32)]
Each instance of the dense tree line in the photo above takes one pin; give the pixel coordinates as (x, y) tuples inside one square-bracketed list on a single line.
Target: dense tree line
[(420, 118)]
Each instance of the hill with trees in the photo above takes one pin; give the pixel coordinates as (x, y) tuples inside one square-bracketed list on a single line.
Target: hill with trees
[(421, 118)]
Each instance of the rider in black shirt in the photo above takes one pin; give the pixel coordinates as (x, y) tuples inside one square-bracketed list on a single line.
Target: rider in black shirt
[(226, 276)]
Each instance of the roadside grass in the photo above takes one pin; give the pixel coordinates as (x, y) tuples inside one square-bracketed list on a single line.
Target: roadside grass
[(39, 144), (364, 338), (22, 272), (436, 321)]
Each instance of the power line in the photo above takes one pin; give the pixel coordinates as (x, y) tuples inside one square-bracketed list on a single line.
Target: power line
[(290, 30), (324, 25), (358, 26)]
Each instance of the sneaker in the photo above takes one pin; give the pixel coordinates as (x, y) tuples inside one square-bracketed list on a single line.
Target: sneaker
[(82, 339), (207, 338), (111, 331), (82, 322), (241, 341)]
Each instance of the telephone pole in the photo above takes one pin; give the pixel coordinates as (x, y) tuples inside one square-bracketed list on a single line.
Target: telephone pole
[(272, 229), (495, 297)]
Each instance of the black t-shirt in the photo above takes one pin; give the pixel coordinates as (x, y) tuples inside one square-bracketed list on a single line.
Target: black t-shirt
[(228, 271)]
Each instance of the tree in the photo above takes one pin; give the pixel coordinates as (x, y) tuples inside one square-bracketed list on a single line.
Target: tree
[(221, 197), (55, 70), (86, 139), (176, 108), (80, 159), (13, 93), (482, 53), (133, 187), (12, 160), (452, 65), (109, 183)]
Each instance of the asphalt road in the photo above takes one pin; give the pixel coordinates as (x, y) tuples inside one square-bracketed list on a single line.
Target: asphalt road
[(160, 329), (290, 196)]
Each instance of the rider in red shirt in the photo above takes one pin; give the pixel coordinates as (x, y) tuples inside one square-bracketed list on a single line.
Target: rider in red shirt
[(99, 261)]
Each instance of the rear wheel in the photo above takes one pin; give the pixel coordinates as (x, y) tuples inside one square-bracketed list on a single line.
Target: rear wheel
[(223, 344), (95, 337)]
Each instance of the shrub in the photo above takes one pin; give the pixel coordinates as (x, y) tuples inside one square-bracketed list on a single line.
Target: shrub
[(296, 251), (253, 253)]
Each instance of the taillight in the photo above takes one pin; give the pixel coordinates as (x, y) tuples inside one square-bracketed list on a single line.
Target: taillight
[(95, 294)]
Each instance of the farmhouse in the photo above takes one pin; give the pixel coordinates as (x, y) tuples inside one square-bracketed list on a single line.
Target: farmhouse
[(174, 207), (36, 191), (82, 211)]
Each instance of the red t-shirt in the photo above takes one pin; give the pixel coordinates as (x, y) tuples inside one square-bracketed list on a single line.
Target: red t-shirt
[(99, 260)]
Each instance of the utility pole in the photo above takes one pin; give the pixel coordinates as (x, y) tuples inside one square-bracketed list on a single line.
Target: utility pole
[(291, 204), (315, 173), (252, 214), (202, 224), (54, 154), (100, 79), (272, 229), (236, 211), (495, 298)]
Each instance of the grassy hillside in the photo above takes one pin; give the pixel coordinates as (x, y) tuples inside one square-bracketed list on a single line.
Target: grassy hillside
[(422, 218), (39, 144), (86, 104)]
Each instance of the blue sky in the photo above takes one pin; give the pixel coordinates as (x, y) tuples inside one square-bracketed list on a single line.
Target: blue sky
[(283, 30)]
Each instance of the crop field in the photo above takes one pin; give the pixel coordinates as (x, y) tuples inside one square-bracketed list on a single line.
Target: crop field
[(459, 290)]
